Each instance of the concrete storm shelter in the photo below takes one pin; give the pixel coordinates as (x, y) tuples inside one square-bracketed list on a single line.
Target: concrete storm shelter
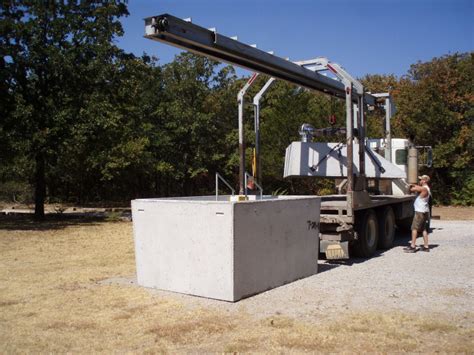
[(223, 249)]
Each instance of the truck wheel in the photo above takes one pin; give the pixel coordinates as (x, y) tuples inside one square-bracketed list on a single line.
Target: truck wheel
[(367, 231), (386, 228)]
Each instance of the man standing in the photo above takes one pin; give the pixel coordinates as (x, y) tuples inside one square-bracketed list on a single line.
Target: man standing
[(422, 214)]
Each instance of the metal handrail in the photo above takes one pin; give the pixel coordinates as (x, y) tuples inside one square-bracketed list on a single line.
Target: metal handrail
[(219, 176), (247, 175)]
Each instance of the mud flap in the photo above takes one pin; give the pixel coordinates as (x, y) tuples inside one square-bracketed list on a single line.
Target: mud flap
[(335, 250)]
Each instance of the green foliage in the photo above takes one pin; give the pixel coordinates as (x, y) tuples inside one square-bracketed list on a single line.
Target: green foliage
[(113, 216), (196, 120), (465, 195), (54, 57), (435, 107), (15, 191)]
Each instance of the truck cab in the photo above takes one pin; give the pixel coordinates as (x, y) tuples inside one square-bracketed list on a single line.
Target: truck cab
[(399, 156)]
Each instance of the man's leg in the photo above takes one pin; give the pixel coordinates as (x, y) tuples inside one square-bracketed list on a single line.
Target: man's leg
[(414, 234), (426, 247), (425, 239), (412, 248)]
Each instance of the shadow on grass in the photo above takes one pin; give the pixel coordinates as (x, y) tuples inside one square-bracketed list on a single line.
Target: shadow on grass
[(50, 222)]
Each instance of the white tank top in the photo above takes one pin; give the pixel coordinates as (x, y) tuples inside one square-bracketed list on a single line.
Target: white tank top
[(421, 204)]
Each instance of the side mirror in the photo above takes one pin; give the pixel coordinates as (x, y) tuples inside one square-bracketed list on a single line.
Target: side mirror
[(429, 158), (425, 156)]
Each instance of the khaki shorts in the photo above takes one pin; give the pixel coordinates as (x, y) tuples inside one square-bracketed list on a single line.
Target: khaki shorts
[(419, 221)]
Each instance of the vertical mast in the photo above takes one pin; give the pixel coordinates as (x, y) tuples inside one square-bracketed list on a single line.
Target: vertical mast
[(240, 100)]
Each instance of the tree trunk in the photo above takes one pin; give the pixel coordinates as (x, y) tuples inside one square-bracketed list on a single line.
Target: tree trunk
[(40, 186)]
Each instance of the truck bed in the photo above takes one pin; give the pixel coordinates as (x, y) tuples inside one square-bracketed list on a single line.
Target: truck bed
[(334, 207)]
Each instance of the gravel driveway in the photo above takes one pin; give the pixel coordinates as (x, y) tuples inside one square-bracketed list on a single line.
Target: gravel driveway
[(438, 283)]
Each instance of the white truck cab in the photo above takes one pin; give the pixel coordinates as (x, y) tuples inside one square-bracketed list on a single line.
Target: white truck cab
[(399, 150), (399, 156)]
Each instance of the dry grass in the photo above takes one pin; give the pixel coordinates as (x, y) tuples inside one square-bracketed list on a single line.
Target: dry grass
[(454, 212), (192, 327), (51, 301)]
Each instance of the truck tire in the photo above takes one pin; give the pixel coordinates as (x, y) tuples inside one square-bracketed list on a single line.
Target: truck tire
[(386, 218), (367, 234)]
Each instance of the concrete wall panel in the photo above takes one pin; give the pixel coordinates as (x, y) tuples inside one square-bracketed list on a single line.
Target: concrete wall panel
[(274, 244), (184, 247)]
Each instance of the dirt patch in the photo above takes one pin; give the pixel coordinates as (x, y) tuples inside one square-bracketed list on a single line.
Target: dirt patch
[(454, 213)]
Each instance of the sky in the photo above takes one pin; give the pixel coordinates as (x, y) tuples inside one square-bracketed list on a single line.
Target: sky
[(364, 36)]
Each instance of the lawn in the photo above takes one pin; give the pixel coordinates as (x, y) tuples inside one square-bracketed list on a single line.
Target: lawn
[(52, 300)]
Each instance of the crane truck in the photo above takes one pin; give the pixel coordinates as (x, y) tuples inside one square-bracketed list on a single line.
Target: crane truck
[(373, 195)]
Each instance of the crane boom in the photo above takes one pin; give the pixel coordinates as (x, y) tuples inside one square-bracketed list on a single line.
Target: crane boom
[(183, 34)]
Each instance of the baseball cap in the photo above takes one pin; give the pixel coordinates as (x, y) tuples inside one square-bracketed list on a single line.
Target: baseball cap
[(424, 177)]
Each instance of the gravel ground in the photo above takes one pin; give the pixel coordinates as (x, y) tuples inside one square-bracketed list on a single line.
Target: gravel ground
[(438, 283)]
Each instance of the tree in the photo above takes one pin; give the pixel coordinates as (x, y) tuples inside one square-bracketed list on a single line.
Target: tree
[(435, 106), (195, 119), (54, 54), (111, 149)]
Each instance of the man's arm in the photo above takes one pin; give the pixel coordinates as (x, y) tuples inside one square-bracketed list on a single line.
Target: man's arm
[(423, 191)]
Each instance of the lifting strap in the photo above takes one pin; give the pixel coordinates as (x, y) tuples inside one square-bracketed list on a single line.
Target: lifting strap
[(336, 147)]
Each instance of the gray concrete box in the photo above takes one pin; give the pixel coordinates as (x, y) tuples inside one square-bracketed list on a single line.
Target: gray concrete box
[(225, 250)]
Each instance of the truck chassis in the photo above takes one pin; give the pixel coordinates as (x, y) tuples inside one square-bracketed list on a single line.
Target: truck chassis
[(341, 230)]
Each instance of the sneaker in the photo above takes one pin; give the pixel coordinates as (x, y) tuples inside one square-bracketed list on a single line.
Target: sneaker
[(425, 249), (410, 250)]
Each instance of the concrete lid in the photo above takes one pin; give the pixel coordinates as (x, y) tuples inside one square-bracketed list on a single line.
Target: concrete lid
[(330, 160)]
